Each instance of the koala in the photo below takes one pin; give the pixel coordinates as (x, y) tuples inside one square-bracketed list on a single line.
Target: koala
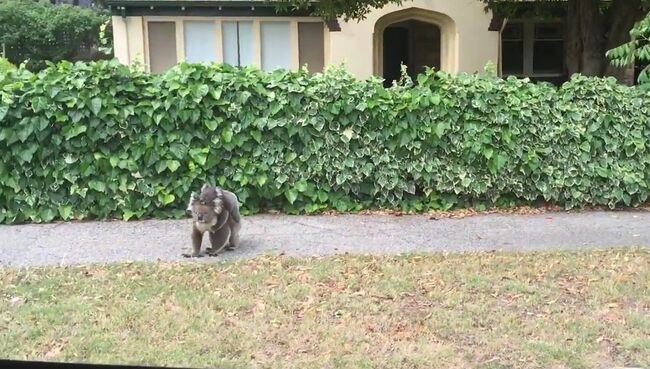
[(215, 211)]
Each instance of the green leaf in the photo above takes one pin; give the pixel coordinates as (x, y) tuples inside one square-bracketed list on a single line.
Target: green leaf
[(291, 195), (440, 129), (173, 165), (290, 156), (127, 215), (27, 154), (161, 166), (166, 199), (200, 156), (497, 163), (301, 186), (3, 112), (257, 136), (97, 186), (211, 125), (96, 105), (347, 134), (114, 161), (74, 131), (65, 212), (227, 135), (47, 214), (261, 180), (281, 179)]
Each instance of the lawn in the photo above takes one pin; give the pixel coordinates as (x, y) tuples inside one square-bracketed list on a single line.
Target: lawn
[(478, 310)]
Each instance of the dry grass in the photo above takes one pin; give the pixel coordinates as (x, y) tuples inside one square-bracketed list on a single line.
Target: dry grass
[(551, 310)]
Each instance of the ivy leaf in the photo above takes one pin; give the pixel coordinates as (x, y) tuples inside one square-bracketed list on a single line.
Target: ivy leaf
[(290, 156), (3, 112), (161, 166), (74, 131), (291, 195), (211, 125), (497, 163), (301, 186), (347, 135), (127, 215), (227, 135), (261, 180), (97, 186), (47, 214), (65, 212), (166, 199), (27, 154), (173, 165), (440, 128), (96, 105), (200, 156)]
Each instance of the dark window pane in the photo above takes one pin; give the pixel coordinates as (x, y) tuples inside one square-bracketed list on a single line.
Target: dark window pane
[(548, 57), (513, 57), (513, 31), (549, 31)]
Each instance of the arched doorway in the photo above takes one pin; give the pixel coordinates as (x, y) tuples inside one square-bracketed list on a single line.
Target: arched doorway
[(415, 44), (418, 39)]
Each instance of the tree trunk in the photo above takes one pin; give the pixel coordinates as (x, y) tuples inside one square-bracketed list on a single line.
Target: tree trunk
[(573, 39), (622, 15), (592, 29)]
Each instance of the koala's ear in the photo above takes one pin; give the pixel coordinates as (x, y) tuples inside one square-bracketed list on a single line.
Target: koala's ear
[(193, 198), (217, 205), (205, 187)]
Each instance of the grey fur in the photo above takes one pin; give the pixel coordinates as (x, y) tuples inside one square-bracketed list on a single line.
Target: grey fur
[(222, 223)]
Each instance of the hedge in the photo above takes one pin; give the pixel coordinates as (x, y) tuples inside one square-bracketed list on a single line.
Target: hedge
[(101, 140)]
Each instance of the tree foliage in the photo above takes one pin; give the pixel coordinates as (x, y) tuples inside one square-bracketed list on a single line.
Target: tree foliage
[(348, 9), (102, 140), (635, 51), (39, 31)]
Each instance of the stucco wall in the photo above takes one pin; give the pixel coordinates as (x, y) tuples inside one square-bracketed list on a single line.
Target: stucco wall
[(470, 44), (128, 39)]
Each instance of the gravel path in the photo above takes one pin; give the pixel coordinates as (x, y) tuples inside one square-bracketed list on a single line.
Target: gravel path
[(105, 242)]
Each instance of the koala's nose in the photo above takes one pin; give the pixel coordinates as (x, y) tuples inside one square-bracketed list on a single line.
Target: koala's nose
[(200, 217)]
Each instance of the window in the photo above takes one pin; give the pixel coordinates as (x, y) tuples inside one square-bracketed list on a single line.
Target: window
[(276, 45), (200, 41), (162, 46), (548, 49), (265, 42), (237, 43), (311, 46), (513, 49), (533, 49)]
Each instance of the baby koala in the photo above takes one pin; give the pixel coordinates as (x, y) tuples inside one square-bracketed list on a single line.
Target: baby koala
[(215, 211)]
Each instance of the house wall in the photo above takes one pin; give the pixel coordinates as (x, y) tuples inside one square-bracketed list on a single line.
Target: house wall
[(131, 37), (128, 39), (466, 43)]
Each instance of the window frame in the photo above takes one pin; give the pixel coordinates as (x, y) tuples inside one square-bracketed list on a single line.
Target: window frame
[(528, 25), (257, 36)]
